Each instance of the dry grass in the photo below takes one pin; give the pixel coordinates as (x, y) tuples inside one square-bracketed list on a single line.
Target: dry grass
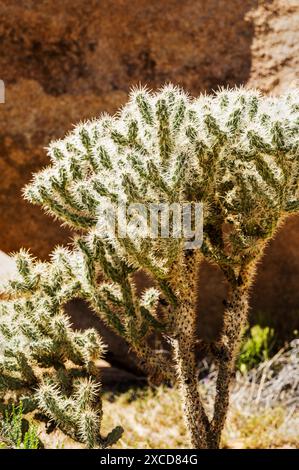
[(271, 429), (264, 411), (153, 419)]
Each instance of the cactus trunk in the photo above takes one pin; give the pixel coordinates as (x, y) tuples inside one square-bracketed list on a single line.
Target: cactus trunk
[(185, 275), (235, 318), (195, 416)]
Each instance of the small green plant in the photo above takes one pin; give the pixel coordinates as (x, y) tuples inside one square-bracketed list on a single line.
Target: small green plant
[(256, 348), (12, 433)]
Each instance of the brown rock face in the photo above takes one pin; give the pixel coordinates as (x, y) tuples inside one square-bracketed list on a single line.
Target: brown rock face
[(68, 62), (28, 121), (71, 62)]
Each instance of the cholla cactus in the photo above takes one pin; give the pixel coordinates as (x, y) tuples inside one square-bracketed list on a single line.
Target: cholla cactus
[(235, 152), (43, 361)]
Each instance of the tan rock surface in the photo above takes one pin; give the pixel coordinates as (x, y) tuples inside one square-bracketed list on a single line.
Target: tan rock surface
[(275, 46), (275, 69), (7, 267)]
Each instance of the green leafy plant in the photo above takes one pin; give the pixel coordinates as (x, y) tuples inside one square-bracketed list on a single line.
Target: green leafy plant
[(236, 152), (12, 432), (256, 347)]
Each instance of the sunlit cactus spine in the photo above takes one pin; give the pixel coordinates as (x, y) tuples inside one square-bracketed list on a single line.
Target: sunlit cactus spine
[(236, 152)]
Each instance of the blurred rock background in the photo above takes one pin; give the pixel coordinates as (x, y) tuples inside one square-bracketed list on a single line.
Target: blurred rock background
[(72, 60)]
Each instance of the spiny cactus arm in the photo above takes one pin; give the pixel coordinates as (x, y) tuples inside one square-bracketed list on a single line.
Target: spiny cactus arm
[(117, 304), (69, 274), (41, 338), (16, 367), (260, 183), (117, 299), (125, 159), (157, 365), (235, 319), (42, 358), (76, 274), (184, 277), (53, 279), (79, 415)]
